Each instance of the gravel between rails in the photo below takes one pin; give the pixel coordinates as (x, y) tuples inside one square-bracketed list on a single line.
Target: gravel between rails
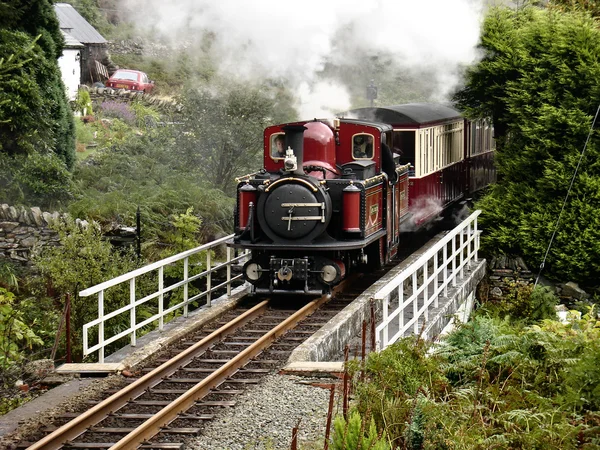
[(265, 415)]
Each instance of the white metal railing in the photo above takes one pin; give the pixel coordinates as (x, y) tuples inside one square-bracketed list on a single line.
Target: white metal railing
[(134, 302), (416, 290)]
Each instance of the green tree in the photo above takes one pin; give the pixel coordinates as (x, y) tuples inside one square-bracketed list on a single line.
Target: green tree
[(221, 136), (144, 171), (34, 111), (537, 80), (82, 260)]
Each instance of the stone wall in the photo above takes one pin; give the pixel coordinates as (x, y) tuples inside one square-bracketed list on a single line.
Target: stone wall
[(505, 272), (22, 229)]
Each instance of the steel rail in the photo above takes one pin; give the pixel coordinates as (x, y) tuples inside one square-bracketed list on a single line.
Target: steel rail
[(77, 426), (161, 419)]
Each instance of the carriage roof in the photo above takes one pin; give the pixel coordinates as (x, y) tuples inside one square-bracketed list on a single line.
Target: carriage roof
[(408, 114)]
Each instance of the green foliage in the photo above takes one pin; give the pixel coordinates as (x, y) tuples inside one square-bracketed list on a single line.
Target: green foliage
[(398, 375), (8, 275), (84, 133), (537, 81), (14, 332), (83, 103), (83, 259), (352, 435), (36, 115), (143, 171), (491, 383), (39, 179), (221, 135), (525, 304), (44, 179), (145, 115), (590, 6)]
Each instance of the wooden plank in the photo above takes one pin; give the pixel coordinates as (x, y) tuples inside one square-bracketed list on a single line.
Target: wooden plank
[(91, 444), (148, 416), (167, 402), (198, 380), (164, 446), (183, 391), (90, 368)]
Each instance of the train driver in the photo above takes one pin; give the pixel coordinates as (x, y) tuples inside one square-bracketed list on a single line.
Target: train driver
[(278, 147), (363, 146)]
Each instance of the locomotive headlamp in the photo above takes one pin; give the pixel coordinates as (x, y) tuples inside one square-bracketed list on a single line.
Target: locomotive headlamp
[(329, 273), (290, 163), (253, 271)]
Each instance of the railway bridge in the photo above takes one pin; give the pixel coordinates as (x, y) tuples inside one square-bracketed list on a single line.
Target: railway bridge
[(200, 360), (424, 294)]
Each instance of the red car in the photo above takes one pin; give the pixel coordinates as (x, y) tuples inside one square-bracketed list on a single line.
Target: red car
[(133, 80)]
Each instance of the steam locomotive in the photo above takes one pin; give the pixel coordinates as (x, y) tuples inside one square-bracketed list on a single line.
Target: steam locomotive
[(339, 195)]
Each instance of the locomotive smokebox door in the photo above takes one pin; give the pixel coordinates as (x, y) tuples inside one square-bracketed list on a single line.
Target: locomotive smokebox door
[(292, 211)]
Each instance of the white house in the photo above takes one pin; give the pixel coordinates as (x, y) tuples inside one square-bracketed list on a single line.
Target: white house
[(70, 65)]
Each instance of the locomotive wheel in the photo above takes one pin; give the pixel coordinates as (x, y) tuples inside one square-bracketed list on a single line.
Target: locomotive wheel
[(375, 254)]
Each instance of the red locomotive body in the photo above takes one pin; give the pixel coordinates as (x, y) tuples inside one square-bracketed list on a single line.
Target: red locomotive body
[(334, 195)]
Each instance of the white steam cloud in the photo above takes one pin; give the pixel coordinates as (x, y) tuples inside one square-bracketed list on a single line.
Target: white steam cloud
[(293, 41)]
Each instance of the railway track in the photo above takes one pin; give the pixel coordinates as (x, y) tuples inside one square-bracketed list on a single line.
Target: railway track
[(199, 376)]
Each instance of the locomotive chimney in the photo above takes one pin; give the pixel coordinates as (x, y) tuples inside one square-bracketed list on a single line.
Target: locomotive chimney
[(294, 138)]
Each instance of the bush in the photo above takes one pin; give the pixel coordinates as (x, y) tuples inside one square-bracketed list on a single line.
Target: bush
[(118, 110), (84, 134), (524, 303), (39, 180), (83, 103), (145, 115), (83, 259)]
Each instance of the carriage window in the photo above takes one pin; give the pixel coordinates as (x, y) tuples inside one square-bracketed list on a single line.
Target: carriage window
[(362, 146), (278, 145)]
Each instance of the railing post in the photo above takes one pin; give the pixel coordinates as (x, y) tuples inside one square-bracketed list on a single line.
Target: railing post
[(228, 271), (426, 290), (208, 278), (475, 231), (132, 311), (401, 302), (470, 242), (415, 302), (386, 302), (161, 285), (186, 264), (462, 253), (435, 279), (445, 266), (101, 326), (454, 261)]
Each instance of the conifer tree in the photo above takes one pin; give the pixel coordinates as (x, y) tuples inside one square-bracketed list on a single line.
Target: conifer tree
[(34, 111), (538, 80)]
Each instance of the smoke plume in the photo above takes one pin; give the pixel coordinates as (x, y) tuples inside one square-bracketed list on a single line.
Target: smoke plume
[(295, 41)]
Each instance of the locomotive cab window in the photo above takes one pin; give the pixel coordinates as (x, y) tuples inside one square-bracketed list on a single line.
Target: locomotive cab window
[(362, 146), (278, 146)]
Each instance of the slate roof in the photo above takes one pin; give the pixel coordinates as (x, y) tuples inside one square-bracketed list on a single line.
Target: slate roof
[(408, 114), (70, 41), (74, 24)]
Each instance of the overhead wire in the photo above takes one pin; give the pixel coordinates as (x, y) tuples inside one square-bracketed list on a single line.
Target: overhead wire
[(566, 198)]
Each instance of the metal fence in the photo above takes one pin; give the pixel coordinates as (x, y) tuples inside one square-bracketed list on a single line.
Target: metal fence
[(157, 269), (408, 299)]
